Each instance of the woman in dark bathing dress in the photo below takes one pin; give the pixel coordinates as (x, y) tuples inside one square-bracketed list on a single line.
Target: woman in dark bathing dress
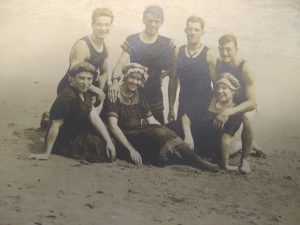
[(76, 130), (149, 141)]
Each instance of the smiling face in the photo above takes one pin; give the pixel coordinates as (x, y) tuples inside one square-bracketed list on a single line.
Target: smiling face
[(133, 81), (193, 32), (82, 81), (224, 93), (101, 26), (228, 52), (152, 24)]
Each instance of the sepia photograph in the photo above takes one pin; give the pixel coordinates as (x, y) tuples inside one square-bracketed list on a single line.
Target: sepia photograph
[(153, 112)]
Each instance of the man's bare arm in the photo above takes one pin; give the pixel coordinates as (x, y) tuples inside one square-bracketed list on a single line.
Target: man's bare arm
[(79, 53), (186, 126), (250, 103), (114, 89), (173, 83), (212, 62)]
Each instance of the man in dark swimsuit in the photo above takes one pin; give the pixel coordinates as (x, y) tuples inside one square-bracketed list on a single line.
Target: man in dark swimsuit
[(196, 72), (229, 62), (93, 50), (155, 52)]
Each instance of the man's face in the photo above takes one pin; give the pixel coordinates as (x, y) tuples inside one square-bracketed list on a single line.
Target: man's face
[(224, 93), (152, 24), (193, 32), (228, 52), (82, 81), (101, 26)]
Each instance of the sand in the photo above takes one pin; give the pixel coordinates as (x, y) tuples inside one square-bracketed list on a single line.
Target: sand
[(63, 191)]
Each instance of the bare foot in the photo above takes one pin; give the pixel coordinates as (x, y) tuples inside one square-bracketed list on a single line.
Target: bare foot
[(245, 167), (43, 156), (231, 168)]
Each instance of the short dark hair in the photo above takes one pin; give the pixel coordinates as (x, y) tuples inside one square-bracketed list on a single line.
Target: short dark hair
[(226, 38), (154, 10), (195, 19), (102, 12), (82, 67)]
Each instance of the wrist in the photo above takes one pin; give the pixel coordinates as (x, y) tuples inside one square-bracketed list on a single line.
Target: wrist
[(115, 80)]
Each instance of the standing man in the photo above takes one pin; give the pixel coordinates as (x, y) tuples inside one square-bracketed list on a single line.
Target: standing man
[(93, 50), (155, 52), (196, 71), (229, 62)]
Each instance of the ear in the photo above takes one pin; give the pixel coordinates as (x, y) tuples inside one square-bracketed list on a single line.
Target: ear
[(71, 80)]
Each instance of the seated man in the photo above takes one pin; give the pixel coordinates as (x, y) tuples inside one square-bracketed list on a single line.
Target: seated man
[(149, 142), (229, 62), (214, 138), (76, 130)]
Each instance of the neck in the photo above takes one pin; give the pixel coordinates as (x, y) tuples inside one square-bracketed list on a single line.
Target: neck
[(223, 104), (235, 62), (96, 41), (126, 91), (81, 95), (194, 46), (147, 38)]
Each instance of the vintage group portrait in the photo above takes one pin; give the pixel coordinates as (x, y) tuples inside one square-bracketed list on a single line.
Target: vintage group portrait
[(149, 112)]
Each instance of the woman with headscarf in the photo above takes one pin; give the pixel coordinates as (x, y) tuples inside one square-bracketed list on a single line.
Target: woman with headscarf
[(135, 128), (76, 130), (211, 138)]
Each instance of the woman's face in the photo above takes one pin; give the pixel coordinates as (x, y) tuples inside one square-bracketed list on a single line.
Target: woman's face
[(133, 81), (82, 81), (224, 93)]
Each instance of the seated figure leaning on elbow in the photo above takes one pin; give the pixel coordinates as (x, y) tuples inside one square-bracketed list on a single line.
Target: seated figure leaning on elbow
[(76, 130)]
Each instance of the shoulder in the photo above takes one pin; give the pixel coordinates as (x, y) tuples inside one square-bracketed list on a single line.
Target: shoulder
[(68, 95), (166, 41), (210, 56), (246, 72), (244, 66), (80, 47), (133, 37)]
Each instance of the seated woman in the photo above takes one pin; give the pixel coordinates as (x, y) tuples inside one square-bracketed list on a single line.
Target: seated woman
[(211, 138), (149, 141), (76, 130)]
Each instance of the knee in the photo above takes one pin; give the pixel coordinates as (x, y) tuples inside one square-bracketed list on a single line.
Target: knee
[(161, 131), (226, 140), (247, 124)]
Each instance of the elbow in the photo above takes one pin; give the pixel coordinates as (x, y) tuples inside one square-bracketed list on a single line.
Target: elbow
[(112, 128), (253, 105)]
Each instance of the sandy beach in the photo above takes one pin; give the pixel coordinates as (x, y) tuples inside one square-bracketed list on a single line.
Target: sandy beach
[(35, 40)]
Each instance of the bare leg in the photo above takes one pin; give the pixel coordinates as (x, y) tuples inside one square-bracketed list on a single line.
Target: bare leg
[(247, 139), (225, 148)]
